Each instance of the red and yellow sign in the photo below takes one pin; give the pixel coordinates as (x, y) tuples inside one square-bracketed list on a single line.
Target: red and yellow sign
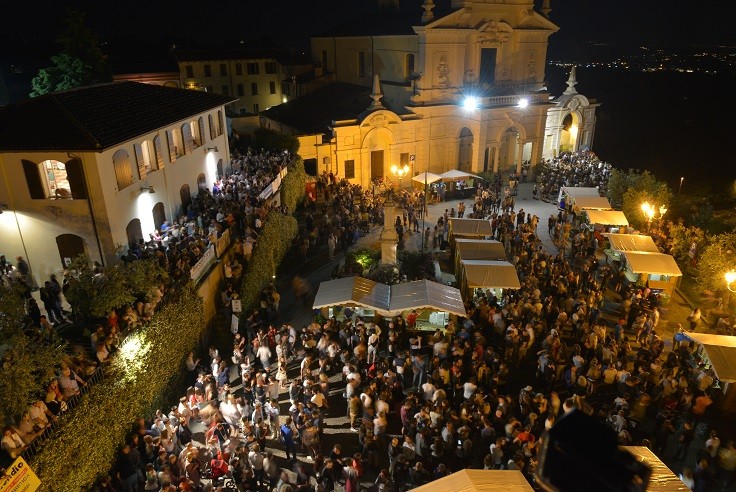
[(19, 478)]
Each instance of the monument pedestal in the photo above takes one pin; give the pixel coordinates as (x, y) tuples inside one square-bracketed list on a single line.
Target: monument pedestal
[(389, 237)]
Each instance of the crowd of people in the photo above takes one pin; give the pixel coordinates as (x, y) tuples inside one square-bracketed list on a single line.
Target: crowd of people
[(580, 168)]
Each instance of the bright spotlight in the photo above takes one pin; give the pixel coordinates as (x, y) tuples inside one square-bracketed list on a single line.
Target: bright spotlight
[(470, 103), (523, 102)]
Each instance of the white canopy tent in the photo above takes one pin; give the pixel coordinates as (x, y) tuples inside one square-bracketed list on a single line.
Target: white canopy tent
[(486, 274), (632, 242), (480, 249), (456, 175), (591, 203), (469, 480), (652, 263), (426, 177), (470, 227), (389, 300), (578, 191), (662, 478), (606, 217), (721, 351)]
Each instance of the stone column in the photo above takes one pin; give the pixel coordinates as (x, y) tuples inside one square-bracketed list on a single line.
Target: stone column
[(496, 156), (520, 156), (389, 237)]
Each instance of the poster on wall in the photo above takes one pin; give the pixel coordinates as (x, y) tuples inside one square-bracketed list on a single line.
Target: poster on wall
[(234, 324), (237, 305)]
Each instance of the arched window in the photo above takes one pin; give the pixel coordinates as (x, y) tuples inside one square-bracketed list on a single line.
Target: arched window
[(159, 150), (176, 144), (33, 180), (55, 180), (213, 130), (186, 134), (199, 132), (159, 215), (409, 64), (123, 171), (220, 123), (70, 246), (201, 182), (186, 197)]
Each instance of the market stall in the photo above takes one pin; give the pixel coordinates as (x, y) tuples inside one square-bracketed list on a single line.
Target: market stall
[(571, 192), (657, 271), (662, 478), (478, 249), (468, 229), (604, 221), (459, 183), (582, 203), (469, 480), (618, 243), (720, 351), (494, 276), (434, 302)]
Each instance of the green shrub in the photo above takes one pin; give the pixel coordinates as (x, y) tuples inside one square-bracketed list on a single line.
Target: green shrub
[(293, 187)]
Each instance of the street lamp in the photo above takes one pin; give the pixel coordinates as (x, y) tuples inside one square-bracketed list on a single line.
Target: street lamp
[(651, 212), (730, 279), (400, 172)]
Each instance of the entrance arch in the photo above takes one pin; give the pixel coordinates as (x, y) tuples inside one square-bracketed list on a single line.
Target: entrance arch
[(569, 133), (465, 150), (509, 150), (186, 198), (201, 183), (159, 215), (377, 146), (70, 246), (134, 231)]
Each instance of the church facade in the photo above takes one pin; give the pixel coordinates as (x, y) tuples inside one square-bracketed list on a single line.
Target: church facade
[(457, 89)]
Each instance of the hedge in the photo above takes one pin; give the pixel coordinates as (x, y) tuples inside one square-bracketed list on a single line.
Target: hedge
[(293, 187), (85, 444), (274, 241)]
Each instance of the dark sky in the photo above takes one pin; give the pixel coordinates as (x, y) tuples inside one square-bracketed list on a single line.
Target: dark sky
[(705, 21)]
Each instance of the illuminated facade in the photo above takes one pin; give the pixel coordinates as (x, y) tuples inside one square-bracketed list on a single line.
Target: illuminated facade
[(458, 89), (91, 170)]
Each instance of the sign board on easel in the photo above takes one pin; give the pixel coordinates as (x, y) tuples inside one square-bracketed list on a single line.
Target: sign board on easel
[(19, 478)]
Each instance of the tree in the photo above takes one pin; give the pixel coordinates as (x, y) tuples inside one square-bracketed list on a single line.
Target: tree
[(627, 190), (717, 258), (95, 291), (29, 360), (268, 139), (66, 73), (78, 41)]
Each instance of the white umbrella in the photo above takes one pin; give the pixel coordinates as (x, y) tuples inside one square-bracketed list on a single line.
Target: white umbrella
[(456, 175), (426, 177)]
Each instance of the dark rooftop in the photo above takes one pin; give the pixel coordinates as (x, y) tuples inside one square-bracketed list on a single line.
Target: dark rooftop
[(98, 117), (282, 57)]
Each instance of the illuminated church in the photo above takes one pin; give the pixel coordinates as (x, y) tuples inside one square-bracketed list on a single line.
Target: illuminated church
[(458, 85)]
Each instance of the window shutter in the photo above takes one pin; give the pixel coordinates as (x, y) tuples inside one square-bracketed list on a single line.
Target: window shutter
[(33, 179), (75, 176), (123, 172), (159, 152), (186, 132), (142, 168)]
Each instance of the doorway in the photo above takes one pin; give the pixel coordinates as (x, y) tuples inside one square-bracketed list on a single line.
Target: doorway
[(159, 215), (134, 231), (569, 133), (509, 149), (186, 198), (465, 152), (70, 246), (376, 164), (201, 183)]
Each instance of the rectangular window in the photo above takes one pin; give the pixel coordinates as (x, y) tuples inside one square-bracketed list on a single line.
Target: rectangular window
[(350, 169), (487, 66), (270, 67), (253, 68), (241, 90), (238, 69), (190, 71), (254, 89), (223, 70), (361, 64), (272, 87), (225, 90), (255, 108), (207, 71), (409, 64)]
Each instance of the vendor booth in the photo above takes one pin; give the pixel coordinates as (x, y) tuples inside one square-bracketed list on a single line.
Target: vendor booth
[(568, 193), (469, 480), (433, 301), (468, 229), (600, 221), (459, 184), (719, 352), (478, 249), (618, 243), (582, 203), (657, 271), (487, 275), (662, 478)]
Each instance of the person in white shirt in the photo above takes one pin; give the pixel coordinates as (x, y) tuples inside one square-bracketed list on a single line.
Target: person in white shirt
[(319, 399), (12, 442), (469, 388), (264, 355), (428, 389)]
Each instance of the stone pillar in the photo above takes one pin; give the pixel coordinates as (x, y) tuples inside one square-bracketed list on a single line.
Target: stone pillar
[(519, 156), (389, 237), (496, 156)]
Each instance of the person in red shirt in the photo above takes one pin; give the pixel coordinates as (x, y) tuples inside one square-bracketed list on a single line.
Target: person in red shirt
[(525, 436), (411, 320)]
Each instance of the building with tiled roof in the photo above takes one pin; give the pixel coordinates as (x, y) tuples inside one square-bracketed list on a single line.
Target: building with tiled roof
[(88, 169)]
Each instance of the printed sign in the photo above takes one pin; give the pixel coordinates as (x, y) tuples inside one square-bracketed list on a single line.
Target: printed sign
[(19, 478), (222, 243), (237, 305), (204, 263)]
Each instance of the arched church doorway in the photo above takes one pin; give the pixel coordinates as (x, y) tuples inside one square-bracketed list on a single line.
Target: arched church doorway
[(159, 215), (465, 151), (509, 150), (569, 133)]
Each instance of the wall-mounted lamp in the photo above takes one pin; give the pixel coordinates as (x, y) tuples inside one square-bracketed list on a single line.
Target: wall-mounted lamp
[(3, 206), (148, 189), (213, 149)]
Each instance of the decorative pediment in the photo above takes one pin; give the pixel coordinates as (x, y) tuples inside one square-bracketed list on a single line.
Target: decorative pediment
[(495, 31), (380, 118)]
